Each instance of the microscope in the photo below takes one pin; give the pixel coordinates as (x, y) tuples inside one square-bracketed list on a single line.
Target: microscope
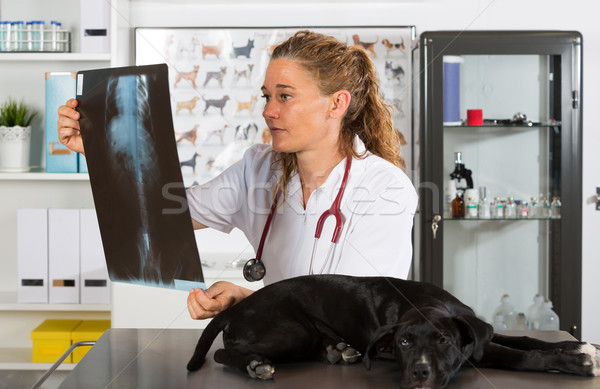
[(461, 172)]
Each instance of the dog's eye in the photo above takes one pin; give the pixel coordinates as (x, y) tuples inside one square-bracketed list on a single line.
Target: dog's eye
[(404, 342), (442, 340)]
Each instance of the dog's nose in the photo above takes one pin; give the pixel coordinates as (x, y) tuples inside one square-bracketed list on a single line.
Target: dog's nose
[(421, 372)]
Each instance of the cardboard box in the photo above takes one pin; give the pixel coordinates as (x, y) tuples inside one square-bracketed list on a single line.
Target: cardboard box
[(63, 255), (60, 87), (32, 255), (51, 339), (94, 282), (87, 330)]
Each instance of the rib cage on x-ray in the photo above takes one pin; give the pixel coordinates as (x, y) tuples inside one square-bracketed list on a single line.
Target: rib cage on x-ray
[(129, 136)]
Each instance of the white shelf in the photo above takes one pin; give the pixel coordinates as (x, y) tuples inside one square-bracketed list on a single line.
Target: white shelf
[(43, 176), (20, 359), (47, 57), (8, 302)]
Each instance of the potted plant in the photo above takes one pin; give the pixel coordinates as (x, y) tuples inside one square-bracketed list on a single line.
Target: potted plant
[(15, 135)]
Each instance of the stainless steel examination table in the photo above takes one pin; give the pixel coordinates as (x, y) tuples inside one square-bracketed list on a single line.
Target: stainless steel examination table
[(153, 358)]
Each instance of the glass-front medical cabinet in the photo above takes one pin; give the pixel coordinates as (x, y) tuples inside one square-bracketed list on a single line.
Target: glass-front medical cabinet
[(500, 173)]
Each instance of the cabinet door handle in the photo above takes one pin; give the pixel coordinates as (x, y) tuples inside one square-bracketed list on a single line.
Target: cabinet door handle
[(434, 224)]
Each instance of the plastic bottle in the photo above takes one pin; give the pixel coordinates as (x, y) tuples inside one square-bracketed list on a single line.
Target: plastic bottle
[(520, 323), (483, 210), (498, 322), (555, 208), (506, 310), (510, 211), (548, 318), (471, 209), (533, 312), (449, 195)]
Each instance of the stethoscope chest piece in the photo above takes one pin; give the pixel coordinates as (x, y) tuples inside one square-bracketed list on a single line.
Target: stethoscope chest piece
[(254, 270)]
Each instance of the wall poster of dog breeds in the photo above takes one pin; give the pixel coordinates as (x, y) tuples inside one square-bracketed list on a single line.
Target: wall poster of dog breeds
[(215, 75), (136, 182)]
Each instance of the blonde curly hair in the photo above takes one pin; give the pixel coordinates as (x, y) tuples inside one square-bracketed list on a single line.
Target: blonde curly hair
[(336, 66)]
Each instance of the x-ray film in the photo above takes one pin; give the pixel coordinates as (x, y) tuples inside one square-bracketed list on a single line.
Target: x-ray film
[(136, 181)]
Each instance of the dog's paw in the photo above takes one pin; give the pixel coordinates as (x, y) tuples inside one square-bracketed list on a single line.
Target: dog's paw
[(589, 349), (343, 352), (263, 370)]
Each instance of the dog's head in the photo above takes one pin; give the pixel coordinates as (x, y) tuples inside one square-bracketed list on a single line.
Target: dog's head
[(430, 345)]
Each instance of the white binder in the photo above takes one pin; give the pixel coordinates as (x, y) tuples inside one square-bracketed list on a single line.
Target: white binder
[(93, 281), (63, 255), (95, 26), (32, 255)]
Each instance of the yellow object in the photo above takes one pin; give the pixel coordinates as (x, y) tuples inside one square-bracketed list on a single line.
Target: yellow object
[(51, 339), (88, 330)]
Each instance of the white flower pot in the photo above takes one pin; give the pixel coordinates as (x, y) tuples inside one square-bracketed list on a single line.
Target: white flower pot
[(14, 148)]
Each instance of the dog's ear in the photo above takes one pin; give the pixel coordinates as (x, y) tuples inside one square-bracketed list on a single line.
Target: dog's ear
[(380, 333), (475, 335)]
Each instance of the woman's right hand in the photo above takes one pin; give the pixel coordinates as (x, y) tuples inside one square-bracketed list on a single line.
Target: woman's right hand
[(68, 126), (220, 296)]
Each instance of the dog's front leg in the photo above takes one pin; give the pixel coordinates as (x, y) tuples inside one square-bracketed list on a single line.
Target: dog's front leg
[(499, 356)]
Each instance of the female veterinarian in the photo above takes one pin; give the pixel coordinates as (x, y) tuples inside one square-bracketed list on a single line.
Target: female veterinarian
[(334, 167)]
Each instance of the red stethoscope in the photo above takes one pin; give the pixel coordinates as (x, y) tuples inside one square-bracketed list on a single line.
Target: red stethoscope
[(254, 269)]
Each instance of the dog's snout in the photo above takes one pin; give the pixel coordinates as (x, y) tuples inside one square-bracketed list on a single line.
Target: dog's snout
[(421, 372)]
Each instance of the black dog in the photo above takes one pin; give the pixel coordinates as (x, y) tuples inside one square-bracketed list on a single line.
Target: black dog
[(244, 50), (429, 332)]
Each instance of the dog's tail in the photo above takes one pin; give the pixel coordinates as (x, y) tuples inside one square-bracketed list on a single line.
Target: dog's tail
[(208, 336)]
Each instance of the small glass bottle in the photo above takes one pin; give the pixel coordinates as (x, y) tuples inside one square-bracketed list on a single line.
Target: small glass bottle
[(532, 209), (544, 207), (555, 208), (458, 206), (471, 209), (510, 211), (483, 210), (497, 208), (523, 210)]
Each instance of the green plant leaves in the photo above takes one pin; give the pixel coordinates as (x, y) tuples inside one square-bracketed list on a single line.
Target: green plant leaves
[(13, 113)]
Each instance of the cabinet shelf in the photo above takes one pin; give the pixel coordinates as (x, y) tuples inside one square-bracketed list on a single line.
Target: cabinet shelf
[(48, 57), (8, 302), (515, 126), (20, 359), (500, 220), (43, 176)]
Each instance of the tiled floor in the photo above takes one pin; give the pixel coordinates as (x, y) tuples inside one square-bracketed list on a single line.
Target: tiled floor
[(24, 379)]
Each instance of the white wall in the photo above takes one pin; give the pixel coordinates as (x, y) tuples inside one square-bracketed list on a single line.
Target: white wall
[(427, 15)]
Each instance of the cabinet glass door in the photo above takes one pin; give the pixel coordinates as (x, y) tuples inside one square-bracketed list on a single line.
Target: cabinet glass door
[(501, 130)]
